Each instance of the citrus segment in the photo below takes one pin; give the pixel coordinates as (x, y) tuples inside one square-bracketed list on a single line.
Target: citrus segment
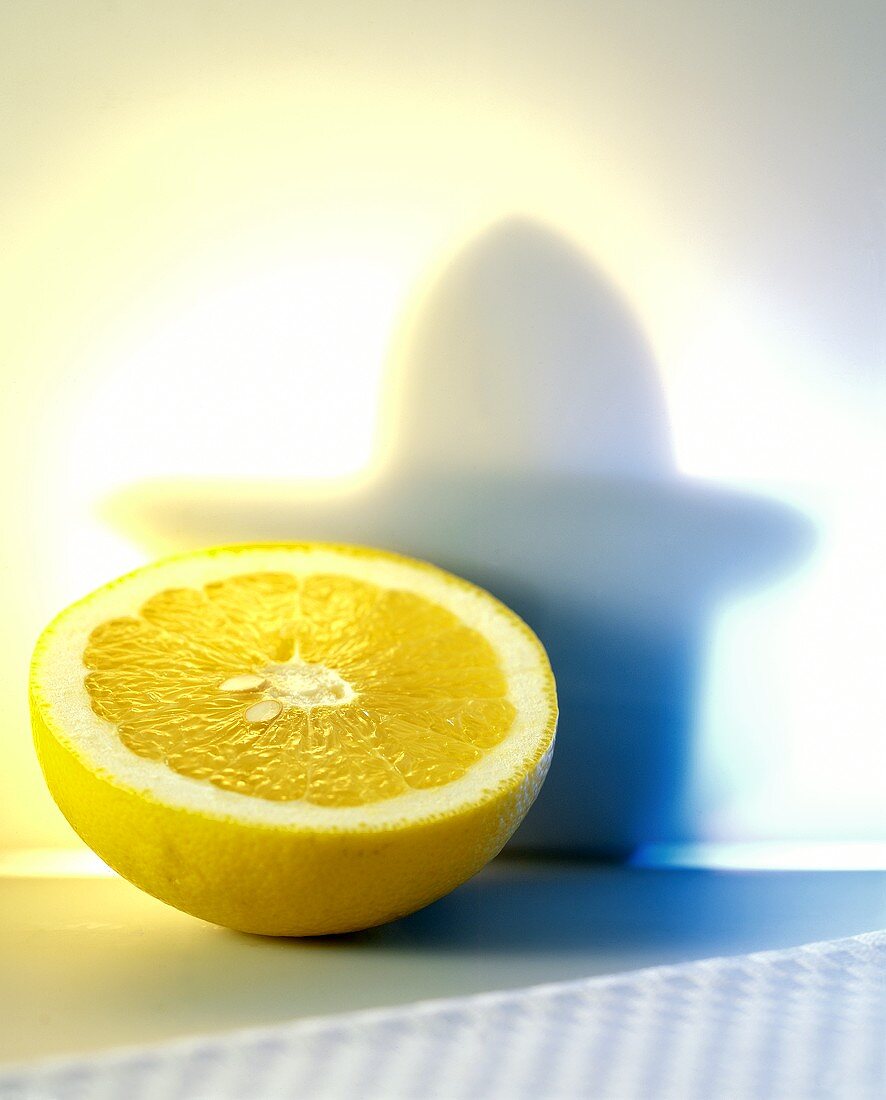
[(351, 715)]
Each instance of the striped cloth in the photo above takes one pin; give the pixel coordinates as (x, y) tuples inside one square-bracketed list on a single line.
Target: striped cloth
[(802, 1023)]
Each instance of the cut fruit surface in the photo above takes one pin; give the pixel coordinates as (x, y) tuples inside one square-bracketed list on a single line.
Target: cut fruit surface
[(325, 688), (293, 738)]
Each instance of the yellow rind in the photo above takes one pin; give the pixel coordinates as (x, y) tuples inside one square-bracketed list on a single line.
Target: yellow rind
[(284, 880)]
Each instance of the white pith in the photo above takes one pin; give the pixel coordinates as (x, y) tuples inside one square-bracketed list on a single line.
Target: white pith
[(299, 684), (61, 695), (293, 683)]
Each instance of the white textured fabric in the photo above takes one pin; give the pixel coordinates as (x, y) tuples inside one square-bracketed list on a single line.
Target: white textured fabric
[(803, 1023)]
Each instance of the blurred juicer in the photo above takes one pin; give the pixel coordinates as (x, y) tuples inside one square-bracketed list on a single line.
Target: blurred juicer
[(531, 454)]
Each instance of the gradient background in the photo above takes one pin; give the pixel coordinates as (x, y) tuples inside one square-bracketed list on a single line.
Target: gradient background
[(217, 220)]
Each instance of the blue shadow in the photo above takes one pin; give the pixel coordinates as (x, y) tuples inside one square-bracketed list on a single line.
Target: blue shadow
[(533, 457)]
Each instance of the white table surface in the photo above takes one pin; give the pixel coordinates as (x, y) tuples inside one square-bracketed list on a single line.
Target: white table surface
[(91, 963)]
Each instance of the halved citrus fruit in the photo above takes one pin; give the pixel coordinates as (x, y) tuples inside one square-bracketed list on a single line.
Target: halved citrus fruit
[(293, 739)]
